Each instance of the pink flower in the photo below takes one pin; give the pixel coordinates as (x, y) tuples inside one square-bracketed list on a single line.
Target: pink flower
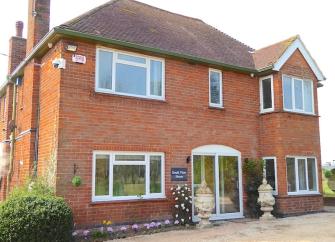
[(166, 222), (110, 229), (123, 228), (158, 224), (135, 227), (176, 222), (152, 224), (147, 226), (86, 233)]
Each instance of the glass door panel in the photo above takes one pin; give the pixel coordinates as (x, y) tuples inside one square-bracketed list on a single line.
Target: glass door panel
[(229, 199), (204, 170)]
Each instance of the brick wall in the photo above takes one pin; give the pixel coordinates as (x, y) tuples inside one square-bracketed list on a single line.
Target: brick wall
[(17, 52), (75, 121), (91, 121), (284, 133), (49, 112)]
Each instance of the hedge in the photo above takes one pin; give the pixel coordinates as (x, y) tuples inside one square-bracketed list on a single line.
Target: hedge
[(37, 218)]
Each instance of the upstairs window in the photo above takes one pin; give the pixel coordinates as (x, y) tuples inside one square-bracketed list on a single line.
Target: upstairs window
[(298, 95), (215, 88), (266, 94), (129, 74), (301, 175)]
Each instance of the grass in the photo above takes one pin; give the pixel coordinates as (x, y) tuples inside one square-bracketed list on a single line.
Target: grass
[(327, 192)]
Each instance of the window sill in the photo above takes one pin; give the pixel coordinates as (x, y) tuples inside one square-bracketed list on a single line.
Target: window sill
[(145, 98), (303, 194), (300, 113), (93, 203), (290, 112), (216, 107), (266, 111)]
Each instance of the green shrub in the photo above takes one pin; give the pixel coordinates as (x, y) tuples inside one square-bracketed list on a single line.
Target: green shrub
[(328, 173), (33, 187), (31, 217), (253, 171)]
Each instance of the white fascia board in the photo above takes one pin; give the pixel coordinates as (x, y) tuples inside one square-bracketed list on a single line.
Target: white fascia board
[(298, 44)]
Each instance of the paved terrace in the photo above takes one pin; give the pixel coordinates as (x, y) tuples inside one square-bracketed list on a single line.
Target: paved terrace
[(312, 227)]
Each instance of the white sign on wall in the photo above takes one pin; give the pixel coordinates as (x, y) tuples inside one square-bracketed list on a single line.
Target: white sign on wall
[(81, 59)]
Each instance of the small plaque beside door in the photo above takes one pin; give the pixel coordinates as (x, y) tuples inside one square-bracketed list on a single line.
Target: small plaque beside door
[(178, 174)]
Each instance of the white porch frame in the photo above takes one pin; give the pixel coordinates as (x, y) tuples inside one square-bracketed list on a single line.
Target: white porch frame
[(216, 151)]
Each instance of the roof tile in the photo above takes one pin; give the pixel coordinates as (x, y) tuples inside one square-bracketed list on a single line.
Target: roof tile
[(139, 23)]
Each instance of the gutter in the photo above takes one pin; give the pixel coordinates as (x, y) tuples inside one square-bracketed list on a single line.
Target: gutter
[(31, 55), (68, 32), (12, 142)]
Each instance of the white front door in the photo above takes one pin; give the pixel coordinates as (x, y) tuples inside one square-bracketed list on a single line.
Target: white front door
[(220, 167)]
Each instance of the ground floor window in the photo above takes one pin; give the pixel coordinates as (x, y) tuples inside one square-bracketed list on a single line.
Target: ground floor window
[(127, 175), (302, 175), (270, 172)]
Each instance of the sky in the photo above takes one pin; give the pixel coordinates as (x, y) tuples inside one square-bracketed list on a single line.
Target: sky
[(257, 23)]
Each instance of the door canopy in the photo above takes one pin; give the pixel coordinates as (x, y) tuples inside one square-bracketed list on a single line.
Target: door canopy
[(216, 149)]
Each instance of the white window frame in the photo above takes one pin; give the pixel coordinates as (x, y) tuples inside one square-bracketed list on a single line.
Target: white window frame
[(294, 109), (266, 110), (275, 191), (115, 61), (112, 162), (298, 191), (217, 105)]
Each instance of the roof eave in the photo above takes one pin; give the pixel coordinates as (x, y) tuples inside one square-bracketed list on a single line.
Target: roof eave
[(59, 31), (298, 44), (19, 69), (72, 33)]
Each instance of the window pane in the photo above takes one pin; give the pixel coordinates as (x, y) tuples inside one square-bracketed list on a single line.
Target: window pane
[(312, 182), (156, 78), (229, 197), (105, 69), (308, 99), (270, 172), (155, 174), (298, 94), (215, 83), (129, 157), (302, 174), (204, 170), (287, 92), (131, 58), (267, 93), (128, 180), (102, 175), (130, 79), (290, 166)]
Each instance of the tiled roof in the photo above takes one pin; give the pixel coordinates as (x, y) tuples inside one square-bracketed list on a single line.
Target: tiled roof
[(269, 55), (139, 23)]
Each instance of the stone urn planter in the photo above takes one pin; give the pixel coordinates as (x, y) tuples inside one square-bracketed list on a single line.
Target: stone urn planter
[(204, 203), (266, 200)]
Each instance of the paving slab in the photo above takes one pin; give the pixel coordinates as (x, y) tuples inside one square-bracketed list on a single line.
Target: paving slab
[(306, 228)]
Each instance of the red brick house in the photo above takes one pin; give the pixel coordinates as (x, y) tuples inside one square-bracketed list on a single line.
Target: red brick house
[(127, 95)]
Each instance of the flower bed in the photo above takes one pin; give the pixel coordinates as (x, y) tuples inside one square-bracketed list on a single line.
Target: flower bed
[(182, 218), (109, 232)]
